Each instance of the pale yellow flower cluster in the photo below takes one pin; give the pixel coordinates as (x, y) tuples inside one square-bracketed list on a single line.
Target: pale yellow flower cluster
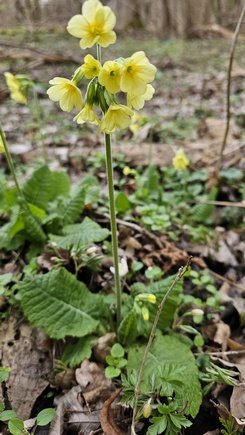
[(17, 86), (131, 76), (139, 304)]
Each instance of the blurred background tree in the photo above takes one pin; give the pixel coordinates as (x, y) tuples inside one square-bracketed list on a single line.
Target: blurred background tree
[(163, 18)]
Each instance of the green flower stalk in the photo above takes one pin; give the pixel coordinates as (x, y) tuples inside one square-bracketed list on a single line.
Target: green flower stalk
[(4, 148), (129, 77)]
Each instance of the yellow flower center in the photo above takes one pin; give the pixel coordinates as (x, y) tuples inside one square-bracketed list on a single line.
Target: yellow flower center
[(95, 29)]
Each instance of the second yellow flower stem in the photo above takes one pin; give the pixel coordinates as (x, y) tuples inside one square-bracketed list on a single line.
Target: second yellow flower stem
[(109, 168), (10, 163)]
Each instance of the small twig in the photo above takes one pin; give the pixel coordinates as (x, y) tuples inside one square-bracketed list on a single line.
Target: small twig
[(227, 353), (222, 203), (229, 281), (178, 277), (138, 229), (228, 92)]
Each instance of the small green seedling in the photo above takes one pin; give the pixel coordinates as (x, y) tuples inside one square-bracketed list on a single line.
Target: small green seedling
[(115, 361), (16, 425)]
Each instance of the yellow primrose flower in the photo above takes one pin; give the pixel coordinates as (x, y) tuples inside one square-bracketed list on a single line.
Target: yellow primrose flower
[(145, 313), (110, 76), (180, 161), (146, 297), (91, 67), (2, 149), (66, 92), (117, 116), (127, 171), (87, 115), (138, 101), (94, 26), (14, 85), (137, 72)]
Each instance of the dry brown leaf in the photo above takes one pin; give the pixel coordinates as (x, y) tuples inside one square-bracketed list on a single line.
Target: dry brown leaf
[(234, 345), (103, 346), (91, 376), (222, 335), (237, 402), (29, 362), (106, 417)]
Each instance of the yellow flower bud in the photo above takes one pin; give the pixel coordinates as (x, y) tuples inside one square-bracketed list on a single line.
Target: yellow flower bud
[(147, 409), (145, 313), (146, 297)]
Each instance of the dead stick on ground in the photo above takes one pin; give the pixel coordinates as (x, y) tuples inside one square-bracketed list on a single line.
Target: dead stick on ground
[(228, 93), (222, 203), (178, 277), (229, 281), (226, 353)]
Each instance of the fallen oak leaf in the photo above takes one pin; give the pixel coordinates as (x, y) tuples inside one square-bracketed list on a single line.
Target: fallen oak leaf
[(106, 417)]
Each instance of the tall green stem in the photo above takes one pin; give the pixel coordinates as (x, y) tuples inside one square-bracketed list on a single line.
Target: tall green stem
[(38, 118), (10, 162), (109, 168)]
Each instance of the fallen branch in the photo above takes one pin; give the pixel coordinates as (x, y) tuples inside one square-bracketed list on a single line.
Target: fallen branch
[(229, 281), (8, 51), (215, 29), (222, 203)]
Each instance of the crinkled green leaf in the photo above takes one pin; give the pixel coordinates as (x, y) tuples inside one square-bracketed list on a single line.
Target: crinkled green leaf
[(158, 426), (127, 331), (45, 185), (169, 350), (78, 236), (60, 304), (74, 354)]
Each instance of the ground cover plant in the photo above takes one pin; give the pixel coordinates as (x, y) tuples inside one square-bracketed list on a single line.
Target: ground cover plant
[(118, 298)]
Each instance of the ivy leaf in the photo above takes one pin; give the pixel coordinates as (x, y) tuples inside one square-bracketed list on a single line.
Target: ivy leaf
[(78, 236), (45, 416), (170, 351), (60, 304)]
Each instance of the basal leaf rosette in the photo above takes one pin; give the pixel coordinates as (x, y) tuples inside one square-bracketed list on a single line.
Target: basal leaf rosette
[(116, 87)]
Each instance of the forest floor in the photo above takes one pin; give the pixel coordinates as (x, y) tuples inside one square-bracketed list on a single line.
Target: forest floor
[(165, 216)]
